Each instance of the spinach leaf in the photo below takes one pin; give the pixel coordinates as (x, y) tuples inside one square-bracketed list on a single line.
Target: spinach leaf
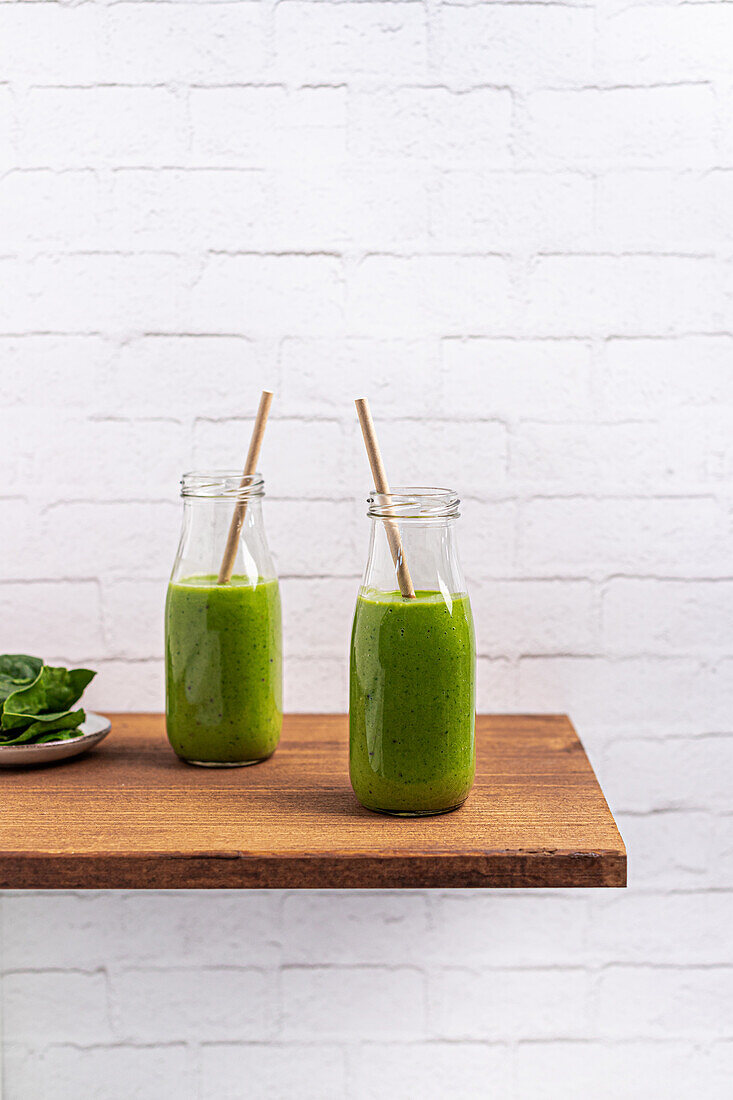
[(36, 700), (64, 735), (17, 671), (48, 698), (46, 728)]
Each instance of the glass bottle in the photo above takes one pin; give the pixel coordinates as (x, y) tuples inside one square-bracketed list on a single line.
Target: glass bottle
[(413, 663), (223, 642)]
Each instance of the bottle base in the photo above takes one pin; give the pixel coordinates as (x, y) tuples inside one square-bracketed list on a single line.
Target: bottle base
[(225, 763), (416, 813)]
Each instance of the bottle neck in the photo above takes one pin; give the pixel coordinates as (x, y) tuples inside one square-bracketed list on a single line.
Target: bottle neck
[(429, 549), (204, 532)]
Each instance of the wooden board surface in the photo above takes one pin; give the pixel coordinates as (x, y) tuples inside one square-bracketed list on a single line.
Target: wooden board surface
[(129, 814)]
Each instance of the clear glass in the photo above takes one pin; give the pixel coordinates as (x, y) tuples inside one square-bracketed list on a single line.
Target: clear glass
[(413, 663), (223, 642)]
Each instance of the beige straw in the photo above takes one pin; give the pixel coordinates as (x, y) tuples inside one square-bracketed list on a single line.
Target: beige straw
[(382, 486), (250, 468)]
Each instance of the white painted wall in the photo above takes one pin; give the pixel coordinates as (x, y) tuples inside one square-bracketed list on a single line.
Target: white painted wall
[(511, 225)]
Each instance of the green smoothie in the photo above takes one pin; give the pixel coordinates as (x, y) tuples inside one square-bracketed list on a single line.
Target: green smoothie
[(412, 699), (223, 669)]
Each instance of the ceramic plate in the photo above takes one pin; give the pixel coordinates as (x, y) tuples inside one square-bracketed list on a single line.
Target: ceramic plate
[(94, 730)]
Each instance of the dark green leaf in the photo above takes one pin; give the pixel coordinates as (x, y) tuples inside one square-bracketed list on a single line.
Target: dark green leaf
[(17, 671), (62, 735), (50, 697), (47, 725)]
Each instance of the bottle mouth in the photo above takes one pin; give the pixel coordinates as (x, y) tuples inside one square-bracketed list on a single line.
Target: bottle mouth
[(222, 485), (419, 502)]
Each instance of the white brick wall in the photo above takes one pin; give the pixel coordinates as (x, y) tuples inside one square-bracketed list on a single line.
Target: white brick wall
[(510, 223)]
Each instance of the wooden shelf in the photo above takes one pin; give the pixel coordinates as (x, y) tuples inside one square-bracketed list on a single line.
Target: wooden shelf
[(130, 815)]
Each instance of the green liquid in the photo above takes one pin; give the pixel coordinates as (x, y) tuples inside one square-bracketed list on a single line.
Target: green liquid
[(223, 669), (412, 700)]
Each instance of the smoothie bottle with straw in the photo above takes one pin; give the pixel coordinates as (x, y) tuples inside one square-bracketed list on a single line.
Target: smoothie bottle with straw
[(223, 633), (413, 660)]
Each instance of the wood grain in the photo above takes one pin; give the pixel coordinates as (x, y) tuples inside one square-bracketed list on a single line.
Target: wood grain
[(130, 815)]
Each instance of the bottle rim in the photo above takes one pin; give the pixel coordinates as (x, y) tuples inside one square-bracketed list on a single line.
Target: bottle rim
[(222, 485), (418, 502)]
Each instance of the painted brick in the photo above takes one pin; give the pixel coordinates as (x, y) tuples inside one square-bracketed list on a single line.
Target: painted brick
[(45, 207), (583, 456), (726, 130), (267, 295), (111, 690), (257, 126), (95, 1072), (655, 377), (397, 374), (308, 206), (443, 295), (677, 773), (52, 44), (525, 44), (226, 44), (524, 616), (496, 685), (369, 207), (676, 850), (37, 371), (625, 127), (491, 1005), (643, 456), (721, 853), (679, 929), (132, 613), (667, 617), (663, 211), (88, 454), (101, 125), (625, 295), (56, 1006), (332, 42), (528, 930), (317, 687), (433, 124), (513, 211), (674, 535), (333, 546), (642, 693), (349, 1003), (317, 616), (225, 1002), (320, 446), (127, 539), (348, 927), (512, 379), (92, 292), (8, 155), (58, 619), (157, 208), (429, 1070), (310, 1072), (184, 376), (23, 553), (689, 43), (186, 929), (626, 1070), (660, 1002), (432, 452), (88, 933), (488, 537)]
